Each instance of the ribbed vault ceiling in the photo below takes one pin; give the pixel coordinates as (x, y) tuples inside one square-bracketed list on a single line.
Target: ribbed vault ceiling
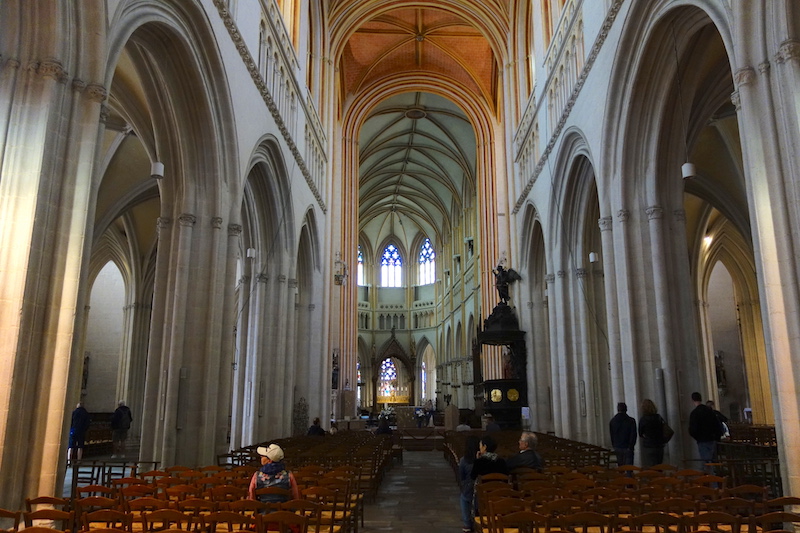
[(417, 167)]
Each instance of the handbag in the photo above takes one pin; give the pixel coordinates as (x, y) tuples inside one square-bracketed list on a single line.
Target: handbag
[(666, 431)]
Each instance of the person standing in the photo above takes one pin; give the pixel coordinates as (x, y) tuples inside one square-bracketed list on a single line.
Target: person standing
[(466, 483), (120, 424), (623, 435), (77, 432), (651, 433), (527, 456), (705, 428)]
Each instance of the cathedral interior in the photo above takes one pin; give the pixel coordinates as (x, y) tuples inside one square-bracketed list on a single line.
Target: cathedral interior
[(218, 210)]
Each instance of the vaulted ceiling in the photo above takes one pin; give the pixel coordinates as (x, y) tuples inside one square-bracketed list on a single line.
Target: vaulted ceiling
[(417, 149)]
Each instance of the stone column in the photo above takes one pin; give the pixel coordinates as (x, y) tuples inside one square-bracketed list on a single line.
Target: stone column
[(42, 254), (612, 312)]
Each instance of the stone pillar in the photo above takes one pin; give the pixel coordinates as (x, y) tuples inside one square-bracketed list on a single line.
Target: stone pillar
[(50, 200), (768, 119), (612, 312)]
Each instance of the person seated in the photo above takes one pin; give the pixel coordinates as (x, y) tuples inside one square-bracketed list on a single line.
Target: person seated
[(527, 456), (334, 428), (464, 425), (272, 473), (383, 427), (315, 429), (487, 461), (491, 425)]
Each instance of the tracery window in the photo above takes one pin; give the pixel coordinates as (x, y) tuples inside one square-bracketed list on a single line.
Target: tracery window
[(424, 380), (360, 269), (391, 267), (358, 382), (388, 378), (427, 263)]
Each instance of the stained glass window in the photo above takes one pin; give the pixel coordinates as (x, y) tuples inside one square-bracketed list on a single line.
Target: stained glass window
[(424, 380), (427, 263), (360, 270), (388, 378), (391, 267)]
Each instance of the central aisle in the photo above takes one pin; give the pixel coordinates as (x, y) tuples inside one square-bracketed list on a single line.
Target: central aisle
[(419, 494)]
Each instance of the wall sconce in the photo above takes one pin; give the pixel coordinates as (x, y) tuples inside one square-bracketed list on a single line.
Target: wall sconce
[(594, 257), (707, 240), (688, 170), (251, 253), (340, 272)]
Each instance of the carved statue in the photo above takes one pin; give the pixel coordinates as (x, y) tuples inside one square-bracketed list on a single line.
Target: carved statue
[(503, 278)]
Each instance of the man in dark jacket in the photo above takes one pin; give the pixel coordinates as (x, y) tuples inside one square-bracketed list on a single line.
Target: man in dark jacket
[(623, 435), (527, 456), (77, 432), (705, 428), (120, 424)]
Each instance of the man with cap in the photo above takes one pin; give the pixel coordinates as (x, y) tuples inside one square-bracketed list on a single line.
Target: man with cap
[(272, 473)]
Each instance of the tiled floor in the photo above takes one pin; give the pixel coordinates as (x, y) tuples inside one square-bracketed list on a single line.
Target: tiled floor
[(419, 495)]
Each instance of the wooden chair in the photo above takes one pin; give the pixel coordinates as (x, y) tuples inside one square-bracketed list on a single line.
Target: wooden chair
[(137, 507), (708, 480), (14, 516), (776, 521), (656, 522), (131, 492), (700, 494), (734, 505), (780, 504), (333, 509), (92, 503), (501, 507), (167, 519), (50, 502), (56, 518), (618, 508), (713, 520), (227, 493), (106, 518), (585, 521), (562, 507), (756, 493), (312, 511), (247, 507), (199, 508), (211, 468), (675, 506), (521, 522), (228, 521), (42, 529), (283, 522), (176, 493)]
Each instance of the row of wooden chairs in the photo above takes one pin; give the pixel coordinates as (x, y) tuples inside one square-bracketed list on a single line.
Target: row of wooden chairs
[(283, 520), (509, 518)]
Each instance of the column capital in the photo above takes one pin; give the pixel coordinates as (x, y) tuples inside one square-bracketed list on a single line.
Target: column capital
[(679, 215), (550, 278), (744, 76), (51, 68), (262, 278), (654, 212), (96, 93), (736, 100), (605, 223), (562, 273), (187, 219), (216, 222), (234, 230), (623, 215), (788, 51), (163, 222), (581, 273)]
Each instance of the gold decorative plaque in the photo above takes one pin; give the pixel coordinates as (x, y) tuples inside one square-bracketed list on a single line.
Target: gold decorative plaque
[(513, 395), (496, 395)]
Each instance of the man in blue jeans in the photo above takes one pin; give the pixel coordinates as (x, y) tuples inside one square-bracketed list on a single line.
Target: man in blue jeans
[(704, 427)]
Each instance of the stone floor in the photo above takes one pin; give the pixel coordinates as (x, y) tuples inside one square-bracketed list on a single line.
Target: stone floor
[(418, 495)]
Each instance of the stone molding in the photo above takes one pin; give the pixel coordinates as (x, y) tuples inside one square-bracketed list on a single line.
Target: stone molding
[(587, 67), (292, 283), (262, 278), (581, 273), (562, 274), (216, 222), (623, 215), (282, 278), (605, 223), (736, 100), (163, 222), (234, 230), (550, 278)]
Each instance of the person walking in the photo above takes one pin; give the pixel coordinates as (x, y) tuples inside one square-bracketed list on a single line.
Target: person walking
[(623, 435), (706, 429), (120, 424), (77, 433), (651, 433)]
